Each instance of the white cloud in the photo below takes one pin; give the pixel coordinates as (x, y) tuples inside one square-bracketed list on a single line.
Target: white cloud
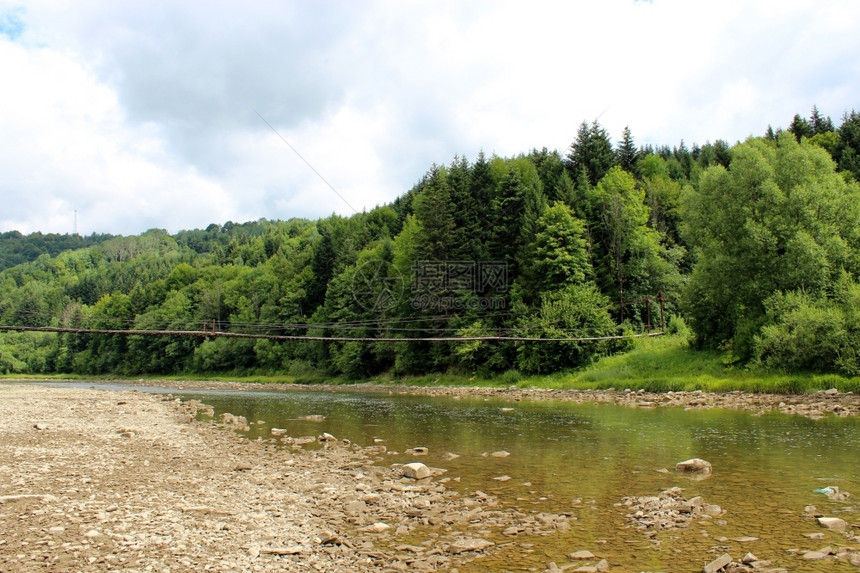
[(67, 148), (142, 114)]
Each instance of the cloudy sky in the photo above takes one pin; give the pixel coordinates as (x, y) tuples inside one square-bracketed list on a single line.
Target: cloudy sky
[(143, 114)]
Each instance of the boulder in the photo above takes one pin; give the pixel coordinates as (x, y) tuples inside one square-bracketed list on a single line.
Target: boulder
[(718, 563), (415, 470), (833, 523), (694, 465)]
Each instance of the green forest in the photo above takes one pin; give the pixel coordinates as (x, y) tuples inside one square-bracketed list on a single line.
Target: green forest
[(751, 248)]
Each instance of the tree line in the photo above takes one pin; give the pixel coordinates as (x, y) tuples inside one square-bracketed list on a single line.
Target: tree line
[(753, 245)]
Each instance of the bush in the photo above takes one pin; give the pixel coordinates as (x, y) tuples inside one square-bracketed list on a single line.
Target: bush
[(677, 327), (808, 333)]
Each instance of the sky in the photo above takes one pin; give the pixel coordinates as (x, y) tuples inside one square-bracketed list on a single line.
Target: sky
[(118, 117)]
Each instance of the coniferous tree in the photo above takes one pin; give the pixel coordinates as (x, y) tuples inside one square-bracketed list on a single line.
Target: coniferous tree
[(800, 127), (434, 211), (848, 149), (626, 154), (590, 154), (819, 123)]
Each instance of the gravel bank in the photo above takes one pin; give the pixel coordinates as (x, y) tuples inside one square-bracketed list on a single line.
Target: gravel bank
[(94, 480)]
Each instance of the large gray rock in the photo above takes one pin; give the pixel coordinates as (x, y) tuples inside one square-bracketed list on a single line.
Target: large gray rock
[(415, 470), (833, 523), (718, 563)]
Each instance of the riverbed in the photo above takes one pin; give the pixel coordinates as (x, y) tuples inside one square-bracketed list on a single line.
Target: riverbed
[(549, 477)]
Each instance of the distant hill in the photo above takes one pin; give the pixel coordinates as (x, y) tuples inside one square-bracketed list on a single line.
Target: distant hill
[(16, 248)]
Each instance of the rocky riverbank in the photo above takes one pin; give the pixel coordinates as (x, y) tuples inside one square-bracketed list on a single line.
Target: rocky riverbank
[(93, 480)]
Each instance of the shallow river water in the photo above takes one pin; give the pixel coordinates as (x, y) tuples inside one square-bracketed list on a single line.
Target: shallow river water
[(583, 459)]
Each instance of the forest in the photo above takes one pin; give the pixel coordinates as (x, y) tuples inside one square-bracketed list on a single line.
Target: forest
[(542, 262)]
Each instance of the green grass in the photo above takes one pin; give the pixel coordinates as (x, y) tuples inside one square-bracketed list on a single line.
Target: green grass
[(669, 364)]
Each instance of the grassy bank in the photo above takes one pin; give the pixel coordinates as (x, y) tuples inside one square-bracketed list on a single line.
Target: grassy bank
[(656, 364)]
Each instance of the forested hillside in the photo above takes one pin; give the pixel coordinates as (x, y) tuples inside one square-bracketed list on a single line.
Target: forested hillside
[(755, 245), (16, 248)]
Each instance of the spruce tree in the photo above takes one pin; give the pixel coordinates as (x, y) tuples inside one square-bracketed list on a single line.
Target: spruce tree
[(800, 127), (626, 154), (591, 152)]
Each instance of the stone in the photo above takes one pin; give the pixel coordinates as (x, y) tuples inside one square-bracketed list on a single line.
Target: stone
[(749, 558), (712, 509), (326, 437), (294, 550), (718, 563), (818, 535), (420, 451), (500, 454), (602, 565), (40, 426), (279, 431), (415, 470), (694, 465), (230, 420), (818, 555), (469, 544), (582, 554), (313, 418), (833, 523)]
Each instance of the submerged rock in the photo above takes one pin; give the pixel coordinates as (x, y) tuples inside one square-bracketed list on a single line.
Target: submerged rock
[(469, 544), (582, 554), (694, 465)]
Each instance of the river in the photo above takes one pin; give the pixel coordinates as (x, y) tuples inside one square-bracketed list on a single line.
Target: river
[(584, 459)]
